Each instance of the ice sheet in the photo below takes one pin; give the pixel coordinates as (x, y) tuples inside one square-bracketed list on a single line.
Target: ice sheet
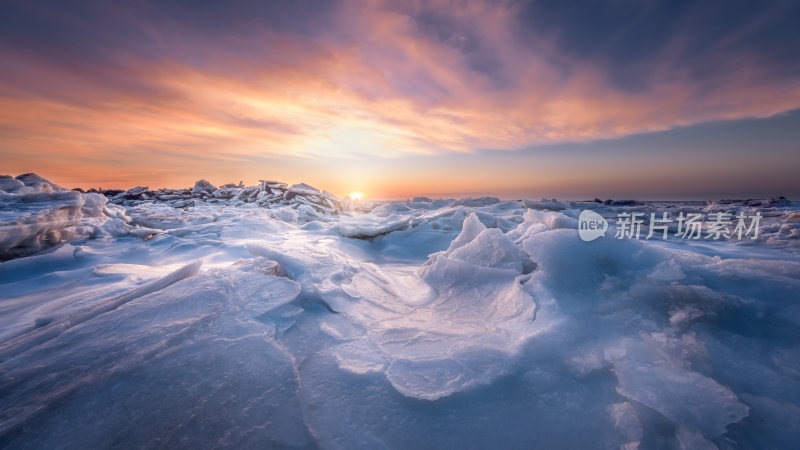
[(424, 324)]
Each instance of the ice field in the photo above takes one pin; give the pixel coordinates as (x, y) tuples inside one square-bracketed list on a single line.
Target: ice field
[(280, 316)]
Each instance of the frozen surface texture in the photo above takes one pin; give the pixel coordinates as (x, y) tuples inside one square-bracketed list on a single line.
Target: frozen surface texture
[(473, 323)]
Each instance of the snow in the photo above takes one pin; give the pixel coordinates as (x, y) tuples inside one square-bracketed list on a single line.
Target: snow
[(257, 318)]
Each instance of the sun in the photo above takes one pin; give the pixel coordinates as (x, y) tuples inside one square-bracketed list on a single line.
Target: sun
[(356, 195)]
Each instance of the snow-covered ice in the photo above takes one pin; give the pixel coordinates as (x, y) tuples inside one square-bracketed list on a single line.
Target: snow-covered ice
[(282, 316)]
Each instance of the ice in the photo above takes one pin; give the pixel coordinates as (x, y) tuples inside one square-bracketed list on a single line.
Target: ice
[(9, 184), (470, 229), (32, 222), (548, 205), (281, 316), (311, 203), (164, 377), (365, 227), (624, 418), (202, 187), (650, 375), (36, 214), (45, 330), (692, 440), (459, 324)]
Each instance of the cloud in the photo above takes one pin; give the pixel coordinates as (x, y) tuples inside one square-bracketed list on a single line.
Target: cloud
[(203, 86)]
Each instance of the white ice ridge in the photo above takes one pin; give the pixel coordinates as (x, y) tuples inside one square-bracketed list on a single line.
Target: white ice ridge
[(45, 331), (36, 214), (455, 323)]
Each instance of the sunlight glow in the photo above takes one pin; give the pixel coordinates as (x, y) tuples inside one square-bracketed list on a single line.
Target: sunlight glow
[(356, 195)]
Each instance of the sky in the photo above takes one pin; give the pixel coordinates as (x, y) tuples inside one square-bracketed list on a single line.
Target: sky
[(545, 98)]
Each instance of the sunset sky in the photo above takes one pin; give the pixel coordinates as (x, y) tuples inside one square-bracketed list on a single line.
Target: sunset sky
[(619, 98)]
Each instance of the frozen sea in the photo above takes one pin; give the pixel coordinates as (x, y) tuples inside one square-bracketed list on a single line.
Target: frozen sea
[(288, 322)]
